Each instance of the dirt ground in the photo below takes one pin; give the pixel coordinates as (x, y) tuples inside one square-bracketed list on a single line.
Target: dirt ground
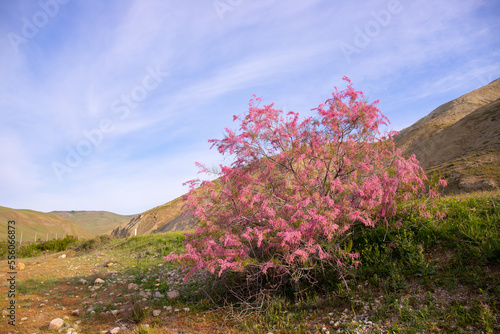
[(48, 288)]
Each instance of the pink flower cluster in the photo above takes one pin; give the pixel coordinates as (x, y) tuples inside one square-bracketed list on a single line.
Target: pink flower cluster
[(296, 188)]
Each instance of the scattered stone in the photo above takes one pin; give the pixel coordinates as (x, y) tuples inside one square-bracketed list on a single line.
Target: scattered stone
[(84, 281), (133, 286), (98, 281), (145, 326), (5, 313), (62, 256), (168, 308), (156, 313), (109, 264), (173, 294), (66, 318), (56, 324), (20, 266), (186, 309), (24, 319), (75, 312), (115, 312), (71, 331), (115, 330), (159, 295)]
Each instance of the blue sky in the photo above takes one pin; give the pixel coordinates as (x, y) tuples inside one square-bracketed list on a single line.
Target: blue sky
[(106, 105)]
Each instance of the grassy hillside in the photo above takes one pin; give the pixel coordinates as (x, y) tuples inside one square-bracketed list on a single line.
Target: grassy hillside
[(96, 222), (44, 225)]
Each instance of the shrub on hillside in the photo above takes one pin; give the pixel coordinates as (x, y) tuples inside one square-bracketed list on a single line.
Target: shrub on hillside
[(280, 213), (91, 244), (54, 245)]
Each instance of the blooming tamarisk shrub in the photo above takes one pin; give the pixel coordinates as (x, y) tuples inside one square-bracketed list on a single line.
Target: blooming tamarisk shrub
[(297, 187)]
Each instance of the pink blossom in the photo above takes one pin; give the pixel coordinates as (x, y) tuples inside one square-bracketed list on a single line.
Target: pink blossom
[(295, 187)]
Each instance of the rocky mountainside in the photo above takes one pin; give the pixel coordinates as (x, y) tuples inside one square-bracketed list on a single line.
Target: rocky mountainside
[(460, 139), (163, 218)]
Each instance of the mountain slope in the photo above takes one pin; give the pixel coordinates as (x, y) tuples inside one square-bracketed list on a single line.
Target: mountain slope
[(460, 139), (163, 218), (96, 222), (45, 225)]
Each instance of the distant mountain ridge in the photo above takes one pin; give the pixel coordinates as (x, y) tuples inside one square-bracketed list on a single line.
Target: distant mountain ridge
[(460, 139), (30, 223), (96, 222)]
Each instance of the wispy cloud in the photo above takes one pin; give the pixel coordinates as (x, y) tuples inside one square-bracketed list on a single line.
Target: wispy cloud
[(72, 75)]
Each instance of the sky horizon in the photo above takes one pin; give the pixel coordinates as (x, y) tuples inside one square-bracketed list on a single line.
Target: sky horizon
[(108, 105)]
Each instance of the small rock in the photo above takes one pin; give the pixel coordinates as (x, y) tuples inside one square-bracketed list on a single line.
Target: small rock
[(24, 319), (156, 313), (71, 331), (20, 266), (115, 330), (98, 281), (115, 312), (84, 281), (66, 318), (159, 295), (133, 286), (62, 256), (5, 313), (75, 312), (186, 309), (56, 324), (109, 264), (173, 294)]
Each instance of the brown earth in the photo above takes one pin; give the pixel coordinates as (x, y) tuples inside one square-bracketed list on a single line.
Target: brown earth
[(164, 218), (50, 288)]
